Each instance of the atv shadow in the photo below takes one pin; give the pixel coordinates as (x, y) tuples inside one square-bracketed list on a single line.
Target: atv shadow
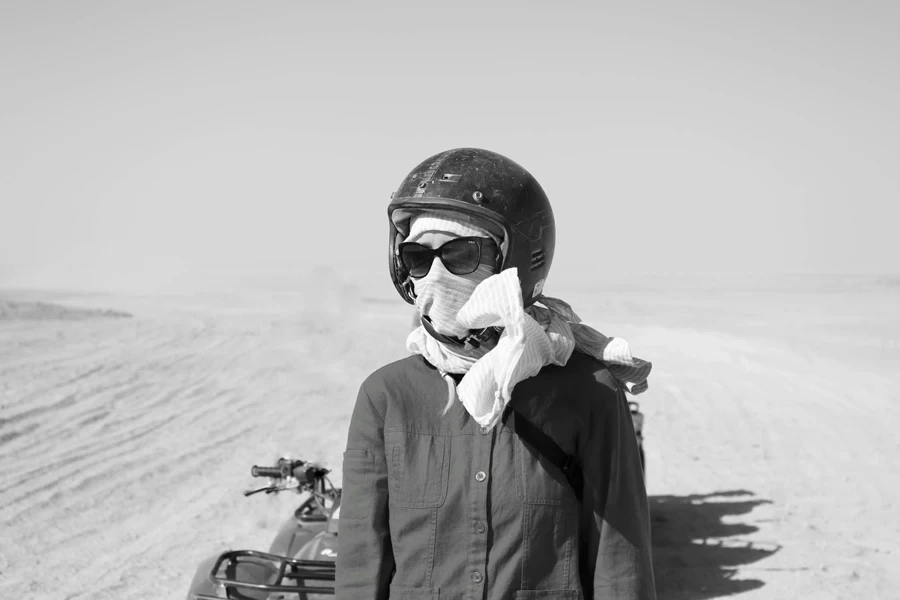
[(693, 559)]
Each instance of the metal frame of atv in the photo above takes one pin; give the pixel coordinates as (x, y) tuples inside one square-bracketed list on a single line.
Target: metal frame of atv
[(287, 568)]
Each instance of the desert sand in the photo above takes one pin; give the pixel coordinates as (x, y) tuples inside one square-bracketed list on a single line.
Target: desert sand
[(128, 424)]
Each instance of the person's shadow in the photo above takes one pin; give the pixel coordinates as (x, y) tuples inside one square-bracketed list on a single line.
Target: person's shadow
[(693, 557)]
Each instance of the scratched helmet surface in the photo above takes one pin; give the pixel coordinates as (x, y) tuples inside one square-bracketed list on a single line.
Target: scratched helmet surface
[(493, 191)]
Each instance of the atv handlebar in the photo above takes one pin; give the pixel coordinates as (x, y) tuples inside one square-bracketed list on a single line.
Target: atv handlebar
[(306, 472), (297, 475), (273, 472)]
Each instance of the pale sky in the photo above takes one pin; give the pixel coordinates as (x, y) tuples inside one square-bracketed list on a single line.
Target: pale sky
[(155, 144)]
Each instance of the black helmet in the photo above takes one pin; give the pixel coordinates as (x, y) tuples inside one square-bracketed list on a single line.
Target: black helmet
[(495, 191)]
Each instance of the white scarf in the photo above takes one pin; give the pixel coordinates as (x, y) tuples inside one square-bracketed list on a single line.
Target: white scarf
[(532, 338), (526, 345)]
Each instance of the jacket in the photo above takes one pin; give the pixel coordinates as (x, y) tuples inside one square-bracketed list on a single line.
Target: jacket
[(435, 507)]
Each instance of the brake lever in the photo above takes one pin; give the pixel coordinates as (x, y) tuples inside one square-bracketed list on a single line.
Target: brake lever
[(267, 489), (288, 483)]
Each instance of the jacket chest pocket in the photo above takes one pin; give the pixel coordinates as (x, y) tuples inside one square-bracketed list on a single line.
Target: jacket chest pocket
[(539, 481), (417, 468)]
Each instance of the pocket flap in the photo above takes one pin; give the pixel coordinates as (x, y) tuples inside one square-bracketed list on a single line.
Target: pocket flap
[(417, 469)]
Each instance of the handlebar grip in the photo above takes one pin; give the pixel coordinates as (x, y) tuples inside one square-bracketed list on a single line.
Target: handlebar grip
[(265, 471)]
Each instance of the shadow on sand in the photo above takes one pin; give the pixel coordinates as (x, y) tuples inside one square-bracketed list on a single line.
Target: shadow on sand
[(693, 557)]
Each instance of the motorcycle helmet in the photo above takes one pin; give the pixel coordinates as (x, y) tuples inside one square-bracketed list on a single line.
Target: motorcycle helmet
[(492, 191)]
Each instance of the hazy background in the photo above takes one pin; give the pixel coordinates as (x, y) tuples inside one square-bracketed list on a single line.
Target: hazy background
[(173, 145)]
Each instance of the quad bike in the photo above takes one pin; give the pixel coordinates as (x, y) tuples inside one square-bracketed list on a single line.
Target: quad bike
[(300, 562)]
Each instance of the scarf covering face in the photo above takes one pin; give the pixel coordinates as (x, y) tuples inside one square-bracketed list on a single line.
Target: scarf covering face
[(532, 338), (440, 294)]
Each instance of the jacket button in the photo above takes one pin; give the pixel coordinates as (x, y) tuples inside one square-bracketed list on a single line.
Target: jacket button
[(479, 527), (476, 577), (480, 476), (485, 430)]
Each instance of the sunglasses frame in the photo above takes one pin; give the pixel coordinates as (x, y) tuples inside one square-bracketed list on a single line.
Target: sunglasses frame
[(437, 253)]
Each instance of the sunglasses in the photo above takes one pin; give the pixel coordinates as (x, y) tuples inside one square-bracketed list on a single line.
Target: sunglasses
[(460, 256)]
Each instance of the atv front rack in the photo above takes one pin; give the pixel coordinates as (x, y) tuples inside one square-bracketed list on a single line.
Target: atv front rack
[(243, 572)]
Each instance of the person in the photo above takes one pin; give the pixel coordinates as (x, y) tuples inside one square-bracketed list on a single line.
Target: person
[(498, 461)]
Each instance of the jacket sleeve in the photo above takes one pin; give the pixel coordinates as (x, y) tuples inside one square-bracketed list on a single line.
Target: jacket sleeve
[(365, 561), (615, 536)]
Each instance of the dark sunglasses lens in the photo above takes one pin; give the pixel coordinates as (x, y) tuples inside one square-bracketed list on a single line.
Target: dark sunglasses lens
[(461, 256), (417, 259)]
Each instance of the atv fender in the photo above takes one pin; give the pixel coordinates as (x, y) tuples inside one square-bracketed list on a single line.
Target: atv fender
[(297, 531), (202, 585)]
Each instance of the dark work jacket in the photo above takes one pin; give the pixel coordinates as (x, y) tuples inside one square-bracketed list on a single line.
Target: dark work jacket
[(435, 507)]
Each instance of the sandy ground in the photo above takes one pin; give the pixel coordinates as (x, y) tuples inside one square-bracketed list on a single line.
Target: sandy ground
[(128, 425)]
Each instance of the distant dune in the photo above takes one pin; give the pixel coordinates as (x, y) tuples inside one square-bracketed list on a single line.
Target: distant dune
[(40, 311)]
